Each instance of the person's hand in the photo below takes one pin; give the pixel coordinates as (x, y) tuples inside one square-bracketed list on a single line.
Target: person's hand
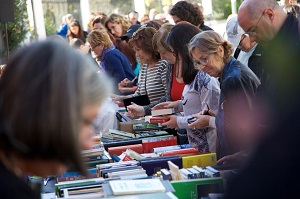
[(236, 158), (127, 89), (201, 122), (125, 83), (166, 105), (115, 97), (172, 123), (207, 112), (135, 110)]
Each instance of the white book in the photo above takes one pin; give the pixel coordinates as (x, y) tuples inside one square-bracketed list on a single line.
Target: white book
[(165, 111), (124, 187)]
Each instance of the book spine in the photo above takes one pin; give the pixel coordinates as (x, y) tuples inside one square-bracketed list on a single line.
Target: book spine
[(158, 120)]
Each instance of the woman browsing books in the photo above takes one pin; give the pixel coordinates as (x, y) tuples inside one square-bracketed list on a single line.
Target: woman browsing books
[(200, 90), (49, 96)]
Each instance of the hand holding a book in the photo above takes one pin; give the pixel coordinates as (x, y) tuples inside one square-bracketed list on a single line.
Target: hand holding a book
[(204, 119), (135, 110), (172, 123), (163, 105)]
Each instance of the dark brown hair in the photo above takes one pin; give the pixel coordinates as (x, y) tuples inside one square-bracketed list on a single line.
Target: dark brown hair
[(142, 38)]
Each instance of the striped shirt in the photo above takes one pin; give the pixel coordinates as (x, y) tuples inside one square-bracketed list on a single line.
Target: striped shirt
[(152, 81)]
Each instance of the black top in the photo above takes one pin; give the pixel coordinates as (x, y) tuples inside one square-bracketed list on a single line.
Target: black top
[(12, 187), (272, 171), (204, 27)]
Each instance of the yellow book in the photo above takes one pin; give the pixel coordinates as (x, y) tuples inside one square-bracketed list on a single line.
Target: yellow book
[(209, 159)]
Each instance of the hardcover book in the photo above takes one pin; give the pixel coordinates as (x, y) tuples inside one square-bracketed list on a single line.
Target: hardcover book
[(165, 111)]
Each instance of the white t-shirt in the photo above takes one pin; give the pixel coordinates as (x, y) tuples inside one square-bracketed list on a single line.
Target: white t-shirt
[(244, 56)]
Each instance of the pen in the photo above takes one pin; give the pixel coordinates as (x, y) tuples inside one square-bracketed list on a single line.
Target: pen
[(207, 112)]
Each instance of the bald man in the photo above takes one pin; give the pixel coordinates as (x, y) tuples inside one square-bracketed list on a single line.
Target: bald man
[(273, 169)]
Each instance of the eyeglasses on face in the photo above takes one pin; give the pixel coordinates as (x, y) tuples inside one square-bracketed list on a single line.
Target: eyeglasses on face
[(93, 47), (242, 38), (201, 61), (252, 30)]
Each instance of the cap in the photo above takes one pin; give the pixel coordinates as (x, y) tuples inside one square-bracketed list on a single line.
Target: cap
[(130, 31), (234, 31)]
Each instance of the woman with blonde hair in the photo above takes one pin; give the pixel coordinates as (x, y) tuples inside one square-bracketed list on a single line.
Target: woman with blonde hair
[(212, 55), (112, 61), (117, 25)]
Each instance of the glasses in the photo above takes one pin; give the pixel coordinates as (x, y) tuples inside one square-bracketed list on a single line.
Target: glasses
[(252, 31), (92, 47), (202, 61), (242, 38)]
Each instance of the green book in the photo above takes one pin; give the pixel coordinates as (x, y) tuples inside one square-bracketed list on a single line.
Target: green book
[(197, 188)]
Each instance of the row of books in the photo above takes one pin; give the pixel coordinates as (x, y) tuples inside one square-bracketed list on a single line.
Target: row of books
[(155, 164), (143, 145), (99, 188)]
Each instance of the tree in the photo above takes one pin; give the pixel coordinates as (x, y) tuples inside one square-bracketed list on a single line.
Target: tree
[(222, 8), (18, 29)]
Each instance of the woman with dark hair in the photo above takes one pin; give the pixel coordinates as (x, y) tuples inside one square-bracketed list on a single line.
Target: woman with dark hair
[(212, 54), (152, 78), (75, 31), (185, 11), (46, 114), (200, 91)]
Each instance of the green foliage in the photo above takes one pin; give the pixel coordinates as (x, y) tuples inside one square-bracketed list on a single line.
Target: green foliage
[(222, 8), (50, 25), (18, 29)]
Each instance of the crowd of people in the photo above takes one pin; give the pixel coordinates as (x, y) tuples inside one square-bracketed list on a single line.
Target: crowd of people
[(241, 93)]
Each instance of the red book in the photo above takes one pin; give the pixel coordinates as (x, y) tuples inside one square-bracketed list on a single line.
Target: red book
[(181, 152), (120, 149), (148, 145), (156, 120)]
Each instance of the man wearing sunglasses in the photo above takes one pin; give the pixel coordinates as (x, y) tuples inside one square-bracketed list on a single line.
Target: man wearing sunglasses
[(270, 171)]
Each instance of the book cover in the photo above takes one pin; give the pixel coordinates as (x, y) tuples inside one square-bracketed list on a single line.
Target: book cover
[(124, 187), (181, 152), (120, 149), (201, 160), (197, 188), (165, 111)]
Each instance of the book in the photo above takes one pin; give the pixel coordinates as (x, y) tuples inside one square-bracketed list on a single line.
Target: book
[(152, 165), (181, 152), (201, 160), (165, 111), (156, 120), (174, 170), (125, 187), (197, 188), (121, 133), (115, 143), (150, 144), (120, 149)]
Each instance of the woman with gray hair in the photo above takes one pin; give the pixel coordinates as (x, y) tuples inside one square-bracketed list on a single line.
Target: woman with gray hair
[(212, 54), (47, 105)]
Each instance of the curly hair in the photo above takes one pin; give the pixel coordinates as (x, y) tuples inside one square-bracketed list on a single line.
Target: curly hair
[(208, 42), (142, 38), (186, 11), (97, 37), (119, 19)]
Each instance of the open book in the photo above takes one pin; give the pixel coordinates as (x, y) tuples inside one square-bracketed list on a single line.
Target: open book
[(124, 187)]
